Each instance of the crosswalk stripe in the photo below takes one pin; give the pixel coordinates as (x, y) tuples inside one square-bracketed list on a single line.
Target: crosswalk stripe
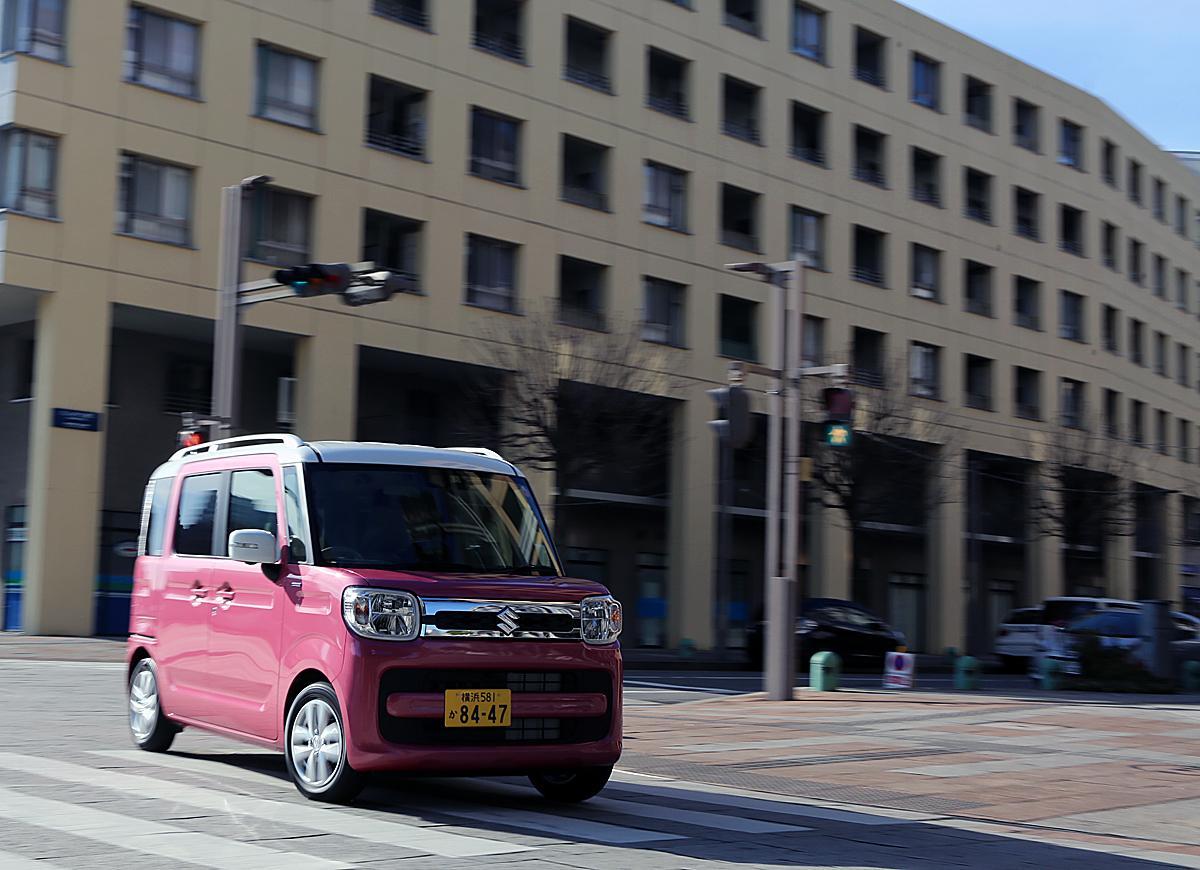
[(151, 838), (324, 819), (13, 861)]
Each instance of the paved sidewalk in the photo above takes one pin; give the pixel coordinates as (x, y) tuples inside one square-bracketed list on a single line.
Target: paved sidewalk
[(78, 649), (1117, 774)]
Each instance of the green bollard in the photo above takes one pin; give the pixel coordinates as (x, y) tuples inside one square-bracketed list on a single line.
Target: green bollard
[(824, 671), (1051, 675), (1191, 676), (966, 673), (687, 648)]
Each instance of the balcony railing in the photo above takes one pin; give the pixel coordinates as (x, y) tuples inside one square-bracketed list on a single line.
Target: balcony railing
[(669, 104), (745, 25), (1027, 320), (1029, 411), (868, 376), (589, 78), (583, 318), (1027, 228), (869, 74), (746, 130), (979, 305), (868, 275), (1071, 246), (737, 239), (978, 211), (871, 173), (927, 192), (495, 170), (1025, 140), (809, 154), (586, 197), (979, 121), (410, 13), (1110, 262), (408, 144), (979, 400), (507, 45)]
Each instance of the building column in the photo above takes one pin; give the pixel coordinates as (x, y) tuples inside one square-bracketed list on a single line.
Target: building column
[(946, 544), (1173, 553), (691, 602), (831, 579), (1043, 552), (327, 381), (1118, 558), (66, 466)]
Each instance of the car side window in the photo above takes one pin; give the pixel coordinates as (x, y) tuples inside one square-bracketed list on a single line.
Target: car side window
[(293, 506), (252, 501), (195, 519), (158, 498)]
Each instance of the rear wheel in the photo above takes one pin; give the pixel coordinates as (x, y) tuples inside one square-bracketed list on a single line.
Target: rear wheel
[(315, 752), (148, 725), (571, 786)]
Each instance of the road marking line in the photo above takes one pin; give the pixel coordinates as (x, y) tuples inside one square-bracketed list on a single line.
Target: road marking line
[(708, 689), (13, 861), (151, 838), (1003, 765), (326, 820), (697, 818)]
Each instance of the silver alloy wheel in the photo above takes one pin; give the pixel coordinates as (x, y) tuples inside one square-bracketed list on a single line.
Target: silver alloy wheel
[(316, 744), (143, 703)]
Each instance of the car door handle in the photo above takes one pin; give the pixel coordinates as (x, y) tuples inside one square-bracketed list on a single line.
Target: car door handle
[(224, 595), (198, 592)]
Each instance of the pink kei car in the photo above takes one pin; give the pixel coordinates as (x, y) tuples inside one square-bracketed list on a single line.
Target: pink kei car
[(366, 607)]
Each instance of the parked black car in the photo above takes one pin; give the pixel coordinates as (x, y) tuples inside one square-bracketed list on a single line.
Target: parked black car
[(856, 634)]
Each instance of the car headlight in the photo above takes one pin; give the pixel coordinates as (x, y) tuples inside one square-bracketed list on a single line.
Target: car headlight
[(600, 619), (381, 613)]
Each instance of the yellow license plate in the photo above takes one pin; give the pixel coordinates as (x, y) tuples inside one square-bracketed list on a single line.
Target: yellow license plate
[(478, 708)]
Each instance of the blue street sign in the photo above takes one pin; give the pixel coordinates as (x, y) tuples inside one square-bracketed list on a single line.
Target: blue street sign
[(85, 421)]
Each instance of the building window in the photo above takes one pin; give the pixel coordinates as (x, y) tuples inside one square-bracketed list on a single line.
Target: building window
[(1071, 407), (977, 104), (978, 381), (813, 344), (1135, 182), (1181, 213), (1070, 230), (30, 172), (35, 27), (1110, 326), (808, 32), (411, 12), (581, 293), (1025, 125), (1108, 240), (870, 57), (1137, 351), (662, 319), (667, 83), (868, 357), (808, 237), (743, 15), (495, 146), (926, 272), (1161, 424), (1183, 357), (287, 87), (161, 52), (396, 117), (870, 264), (1136, 273), (926, 177), (281, 227), (1160, 276), (393, 243), (926, 82), (1137, 422), (1182, 282), (1027, 393), (1027, 213), (1112, 413), (870, 156), (1184, 442), (587, 55), (1070, 144), (1027, 302), (22, 382), (977, 287), (741, 106), (924, 378), (585, 173), (498, 28), (978, 196), (739, 218), (1070, 320), (739, 328), (1160, 200), (808, 133), (1160, 354), (1108, 162), (665, 196), (491, 273), (156, 200)]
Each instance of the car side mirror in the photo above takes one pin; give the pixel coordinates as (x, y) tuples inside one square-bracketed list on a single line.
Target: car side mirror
[(254, 547)]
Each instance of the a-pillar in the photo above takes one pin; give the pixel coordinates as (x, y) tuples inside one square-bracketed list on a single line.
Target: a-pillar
[(1043, 551), (66, 466), (946, 544), (327, 380), (1118, 554), (692, 600)]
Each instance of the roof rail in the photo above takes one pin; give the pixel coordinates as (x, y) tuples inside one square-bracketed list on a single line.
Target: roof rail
[(480, 451), (281, 439)]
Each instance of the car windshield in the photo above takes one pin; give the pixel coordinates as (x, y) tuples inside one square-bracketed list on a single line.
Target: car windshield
[(427, 519), (1059, 612), (1112, 623)]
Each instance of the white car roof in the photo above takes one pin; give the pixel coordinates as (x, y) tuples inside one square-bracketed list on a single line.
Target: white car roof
[(291, 449)]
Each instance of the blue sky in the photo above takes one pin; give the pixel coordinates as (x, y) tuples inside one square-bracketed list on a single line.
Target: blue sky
[(1141, 58)]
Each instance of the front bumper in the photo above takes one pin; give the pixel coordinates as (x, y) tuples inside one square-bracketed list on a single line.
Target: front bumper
[(566, 699)]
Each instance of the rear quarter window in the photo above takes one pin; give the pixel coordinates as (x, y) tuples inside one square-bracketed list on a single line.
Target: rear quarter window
[(159, 498)]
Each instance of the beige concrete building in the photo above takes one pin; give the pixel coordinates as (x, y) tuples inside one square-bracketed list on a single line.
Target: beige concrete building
[(997, 243)]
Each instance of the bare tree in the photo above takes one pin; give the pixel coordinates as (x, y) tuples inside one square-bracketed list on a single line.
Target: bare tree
[(1084, 492)]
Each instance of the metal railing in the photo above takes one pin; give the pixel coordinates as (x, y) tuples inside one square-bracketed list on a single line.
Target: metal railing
[(584, 196), (589, 78), (408, 144), (978, 211), (747, 130), (979, 401), (868, 275), (870, 173), (927, 192), (809, 154), (583, 318), (867, 377), (1028, 228), (745, 25), (1027, 320), (402, 11), (979, 305), (1029, 411), (506, 45), (669, 104), (979, 122), (870, 75), (494, 170), (1071, 246), (737, 239)]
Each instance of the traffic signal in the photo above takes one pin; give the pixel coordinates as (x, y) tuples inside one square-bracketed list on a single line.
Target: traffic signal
[(839, 416), (733, 422), (376, 287), (317, 279), (188, 438)]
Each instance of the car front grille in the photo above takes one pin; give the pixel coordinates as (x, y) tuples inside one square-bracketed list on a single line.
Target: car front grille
[(512, 620)]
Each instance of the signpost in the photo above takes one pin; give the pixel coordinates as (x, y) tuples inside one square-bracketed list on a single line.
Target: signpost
[(899, 670), (68, 418)]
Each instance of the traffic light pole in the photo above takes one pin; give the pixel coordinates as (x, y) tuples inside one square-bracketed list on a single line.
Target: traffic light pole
[(226, 341)]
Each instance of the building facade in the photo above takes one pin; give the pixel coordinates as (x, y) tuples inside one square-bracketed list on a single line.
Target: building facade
[(997, 249)]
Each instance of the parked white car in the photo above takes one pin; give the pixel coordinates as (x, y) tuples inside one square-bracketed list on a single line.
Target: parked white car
[(1061, 611), (1018, 637), (1115, 627)]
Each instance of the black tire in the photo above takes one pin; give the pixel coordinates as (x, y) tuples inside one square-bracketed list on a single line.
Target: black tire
[(344, 783), (149, 726), (571, 786)]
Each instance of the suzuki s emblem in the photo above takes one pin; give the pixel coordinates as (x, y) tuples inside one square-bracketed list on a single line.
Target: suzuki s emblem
[(506, 618)]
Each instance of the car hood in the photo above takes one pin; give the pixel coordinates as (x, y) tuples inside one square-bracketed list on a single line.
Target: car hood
[(477, 586)]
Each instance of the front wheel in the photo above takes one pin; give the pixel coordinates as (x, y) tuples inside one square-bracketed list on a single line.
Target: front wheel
[(148, 725), (315, 753), (571, 786)]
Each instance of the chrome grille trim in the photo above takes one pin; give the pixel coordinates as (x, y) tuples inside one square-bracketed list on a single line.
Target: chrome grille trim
[(508, 616)]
